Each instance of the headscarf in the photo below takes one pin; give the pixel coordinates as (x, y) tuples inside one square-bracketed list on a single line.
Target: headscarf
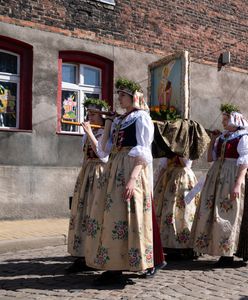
[(237, 120), (139, 101)]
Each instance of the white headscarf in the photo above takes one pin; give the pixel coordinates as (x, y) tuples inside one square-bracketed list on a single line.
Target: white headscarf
[(237, 120)]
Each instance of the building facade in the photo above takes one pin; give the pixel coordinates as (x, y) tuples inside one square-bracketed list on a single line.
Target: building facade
[(54, 54)]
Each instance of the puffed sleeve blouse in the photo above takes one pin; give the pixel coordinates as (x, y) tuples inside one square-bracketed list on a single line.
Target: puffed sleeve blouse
[(144, 135)]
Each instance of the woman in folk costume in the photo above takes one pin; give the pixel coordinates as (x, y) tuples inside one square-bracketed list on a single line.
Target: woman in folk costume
[(175, 217), (90, 181), (126, 241), (219, 215)]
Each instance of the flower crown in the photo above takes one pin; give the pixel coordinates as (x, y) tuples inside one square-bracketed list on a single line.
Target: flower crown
[(228, 108), (98, 103), (128, 86)]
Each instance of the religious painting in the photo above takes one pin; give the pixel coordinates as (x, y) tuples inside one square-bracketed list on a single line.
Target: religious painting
[(168, 87)]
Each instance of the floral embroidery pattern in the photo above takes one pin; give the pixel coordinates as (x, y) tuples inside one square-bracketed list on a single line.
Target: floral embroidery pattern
[(91, 226), (102, 256), (149, 254), (84, 223), (138, 181), (169, 219), (134, 257), (101, 181), (120, 231), (226, 205), (202, 241), (147, 203), (108, 202), (76, 242), (120, 179), (210, 202), (225, 244), (180, 202), (183, 236)]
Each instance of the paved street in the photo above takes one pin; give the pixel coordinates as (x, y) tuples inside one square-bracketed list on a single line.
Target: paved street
[(39, 274)]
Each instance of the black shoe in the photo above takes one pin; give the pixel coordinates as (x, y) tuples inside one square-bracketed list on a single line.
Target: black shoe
[(149, 273), (78, 265), (224, 261), (108, 278)]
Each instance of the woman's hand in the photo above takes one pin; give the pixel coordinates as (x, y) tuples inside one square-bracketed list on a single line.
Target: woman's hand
[(129, 190), (86, 126), (215, 134), (111, 116), (235, 194)]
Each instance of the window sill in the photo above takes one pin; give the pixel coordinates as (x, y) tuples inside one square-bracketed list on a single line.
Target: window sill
[(15, 130), (69, 133), (107, 4)]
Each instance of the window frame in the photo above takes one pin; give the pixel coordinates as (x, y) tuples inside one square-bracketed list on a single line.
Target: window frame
[(13, 78), (92, 60), (107, 2), (25, 52)]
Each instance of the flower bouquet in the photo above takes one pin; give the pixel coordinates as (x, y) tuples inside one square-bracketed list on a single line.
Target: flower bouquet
[(162, 113)]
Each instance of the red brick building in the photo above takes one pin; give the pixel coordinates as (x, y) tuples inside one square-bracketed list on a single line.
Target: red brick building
[(55, 53)]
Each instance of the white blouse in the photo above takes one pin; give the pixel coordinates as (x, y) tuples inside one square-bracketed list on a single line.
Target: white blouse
[(144, 134), (242, 150)]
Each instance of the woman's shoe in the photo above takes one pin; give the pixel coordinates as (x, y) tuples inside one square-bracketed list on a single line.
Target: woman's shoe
[(225, 261), (149, 273), (78, 265), (109, 277)]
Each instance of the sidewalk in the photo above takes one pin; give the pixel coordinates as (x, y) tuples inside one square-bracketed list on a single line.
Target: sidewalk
[(31, 234)]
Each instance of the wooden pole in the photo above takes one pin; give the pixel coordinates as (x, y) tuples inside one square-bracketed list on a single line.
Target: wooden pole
[(79, 124)]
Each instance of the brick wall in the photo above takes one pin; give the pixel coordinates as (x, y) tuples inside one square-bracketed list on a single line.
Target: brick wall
[(203, 27)]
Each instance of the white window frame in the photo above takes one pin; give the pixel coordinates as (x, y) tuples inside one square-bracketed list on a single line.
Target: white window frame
[(13, 78), (81, 89)]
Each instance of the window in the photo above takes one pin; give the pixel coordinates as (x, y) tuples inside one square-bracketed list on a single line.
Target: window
[(9, 89), (16, 64), (81, 76)]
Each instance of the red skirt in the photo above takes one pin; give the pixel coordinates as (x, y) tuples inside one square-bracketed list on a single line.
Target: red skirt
[(157, 245)]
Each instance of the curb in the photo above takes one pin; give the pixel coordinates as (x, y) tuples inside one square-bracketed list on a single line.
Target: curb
[(31, 243)]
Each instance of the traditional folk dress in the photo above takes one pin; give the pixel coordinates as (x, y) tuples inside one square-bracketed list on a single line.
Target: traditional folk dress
[(126, 240), (175, 217), (218, 219), (90, 181)]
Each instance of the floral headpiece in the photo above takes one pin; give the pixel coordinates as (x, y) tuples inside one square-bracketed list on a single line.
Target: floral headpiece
[(228, 108), (96, 104), (133, 89), (127, 86)]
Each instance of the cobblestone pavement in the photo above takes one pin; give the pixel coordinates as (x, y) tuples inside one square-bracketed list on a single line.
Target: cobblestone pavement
[(39, 274)]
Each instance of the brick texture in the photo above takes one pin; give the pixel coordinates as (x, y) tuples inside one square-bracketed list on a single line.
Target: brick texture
[(205, 28)]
